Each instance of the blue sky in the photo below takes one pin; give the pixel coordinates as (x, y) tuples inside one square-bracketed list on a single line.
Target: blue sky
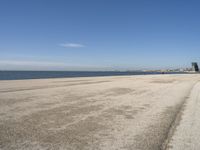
[(98, 34)]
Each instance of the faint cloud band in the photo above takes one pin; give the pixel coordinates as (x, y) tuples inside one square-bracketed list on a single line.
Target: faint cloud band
[(72, 45)]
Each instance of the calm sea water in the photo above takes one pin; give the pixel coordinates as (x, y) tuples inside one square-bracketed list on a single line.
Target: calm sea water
[(19, 75)]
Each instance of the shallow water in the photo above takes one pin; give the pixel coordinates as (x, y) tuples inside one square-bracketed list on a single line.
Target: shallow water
[(19, 75)]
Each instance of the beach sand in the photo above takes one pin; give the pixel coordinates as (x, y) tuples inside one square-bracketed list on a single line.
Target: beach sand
[(143, 112)]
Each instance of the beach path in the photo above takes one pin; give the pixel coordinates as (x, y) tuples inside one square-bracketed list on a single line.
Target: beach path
[(186, 135)]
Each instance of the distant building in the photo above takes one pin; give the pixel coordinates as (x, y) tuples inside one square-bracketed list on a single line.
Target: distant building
[(195, 66)]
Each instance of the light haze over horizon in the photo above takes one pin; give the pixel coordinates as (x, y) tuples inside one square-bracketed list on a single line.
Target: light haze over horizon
[(98, 34)]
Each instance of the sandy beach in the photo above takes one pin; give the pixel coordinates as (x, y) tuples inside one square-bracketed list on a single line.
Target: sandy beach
[(143, 112)]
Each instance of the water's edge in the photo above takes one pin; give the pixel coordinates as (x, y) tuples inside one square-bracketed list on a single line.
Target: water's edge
[(21, 75)]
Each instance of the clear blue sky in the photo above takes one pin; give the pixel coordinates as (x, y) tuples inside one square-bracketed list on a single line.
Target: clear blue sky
[(98, 34)]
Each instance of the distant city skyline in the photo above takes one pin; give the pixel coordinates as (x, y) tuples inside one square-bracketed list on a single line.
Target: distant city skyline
[(98, 35)]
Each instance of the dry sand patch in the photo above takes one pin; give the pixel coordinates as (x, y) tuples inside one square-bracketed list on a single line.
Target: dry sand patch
[(133, 112)]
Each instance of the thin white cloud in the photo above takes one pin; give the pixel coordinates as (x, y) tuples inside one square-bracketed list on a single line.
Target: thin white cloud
[(31, 65), (46, 66), (28, 63), (72, 45)]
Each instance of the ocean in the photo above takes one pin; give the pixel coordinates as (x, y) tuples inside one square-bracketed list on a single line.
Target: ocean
[(21, 75)]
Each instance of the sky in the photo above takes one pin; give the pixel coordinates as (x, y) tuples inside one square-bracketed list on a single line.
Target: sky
[(99, 34)]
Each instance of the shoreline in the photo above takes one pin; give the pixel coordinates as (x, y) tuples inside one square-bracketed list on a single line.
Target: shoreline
[(25, 75)]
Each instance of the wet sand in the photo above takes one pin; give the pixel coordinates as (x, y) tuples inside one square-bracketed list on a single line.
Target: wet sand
[(94, 113)]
